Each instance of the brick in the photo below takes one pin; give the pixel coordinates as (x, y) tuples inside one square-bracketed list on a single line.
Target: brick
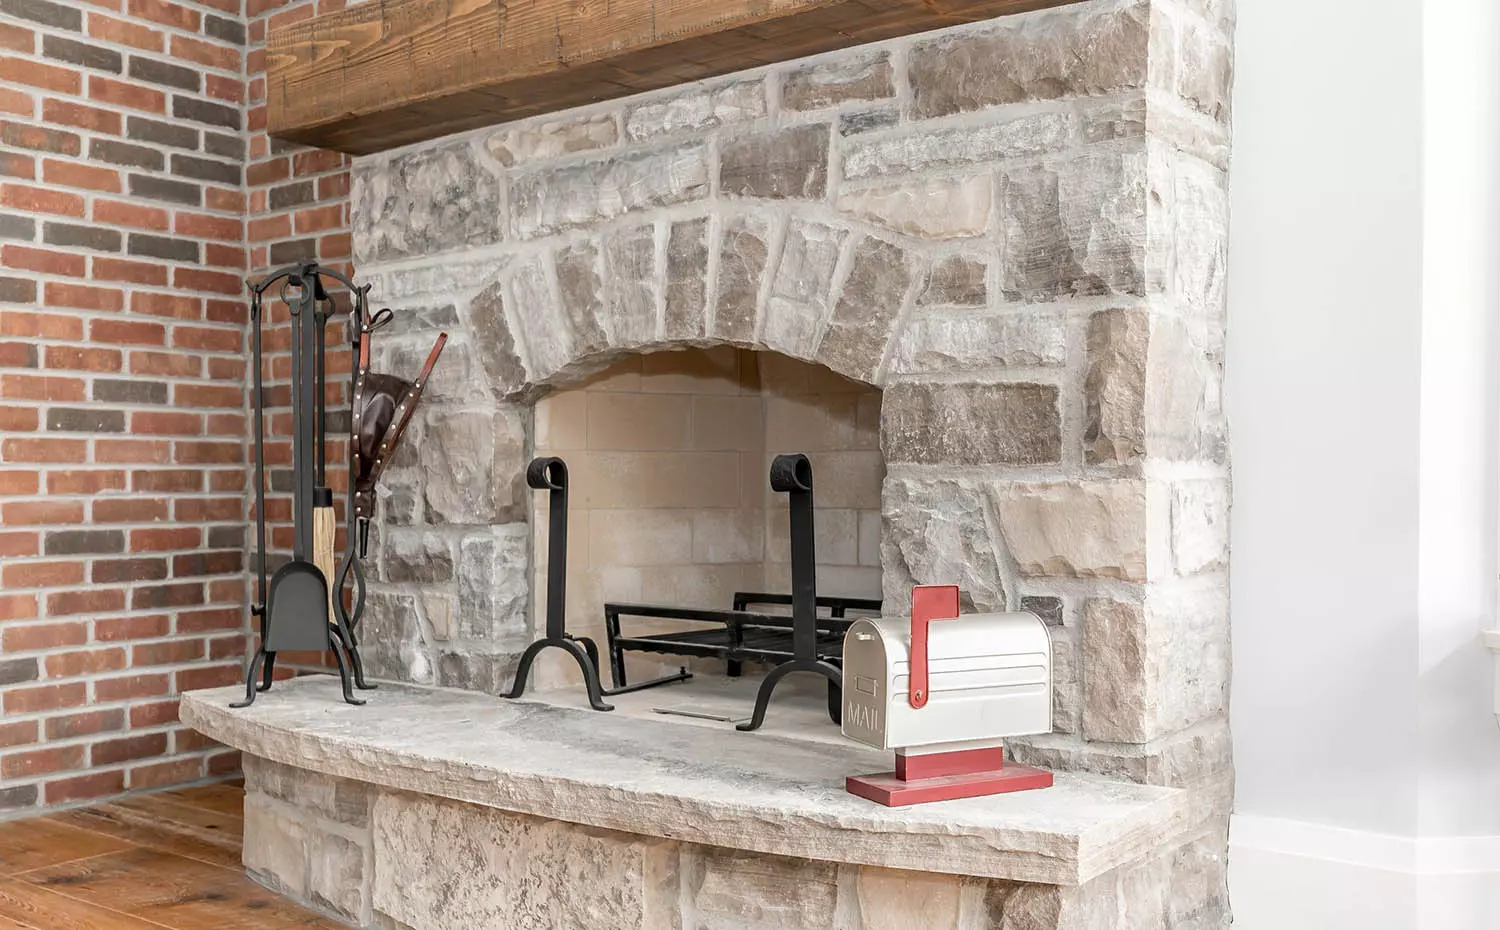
[(164, 774), (264, 228), (84, 542), (165, 189), (42, 762), (166, 364), (118, 629), (42, 260), (85, 420), (228, 89), (16, 545), (206, 226), (207, 563), (19, 733), (17, 102), (84, 482), (165, 13), (35, 74), (18, 355), (93, 238), (110, 752), (133, 451), (124, 32), (77, 358), (45, 698), (167, 481), (292, 251), (204, 621), (82, 54), (319, 219), (120, 213), (172, 652), (27, 387), (192, 679), (224, 256), (39, 325), (225, 763), (19, 482), (224, 29), (122, 94), (40, 139), (130, 687), (91, 601), (225, 311), (225, 146), (18, 606), (191, 510), (44, 12), (83, 787), (69, 113), (227, 590), (198, 279), (17, 165), (175, 306), (85, 662), (38, 513), (87, 723), (40, 575), (17, 227), (119, 269), (156, 713), (40, 200), (205, 395), (207, 112), (165, 539), (18, 672), (208, 453), (205, 53), (129, 510), (126, 153), (17, 38), (142, 129), (164, 73), (292, 195), (45, 636), (129, 392), (153, 423), (44, 451), (205, 169), (17, 290), (222, 198), (163, 247), (82, 296)]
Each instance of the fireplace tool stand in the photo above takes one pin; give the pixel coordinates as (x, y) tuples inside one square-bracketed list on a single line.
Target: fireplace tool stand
[(551, 475), (792, 475), (298, 609)]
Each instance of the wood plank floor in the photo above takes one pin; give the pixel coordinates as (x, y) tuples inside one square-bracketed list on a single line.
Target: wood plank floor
[(169, 860)]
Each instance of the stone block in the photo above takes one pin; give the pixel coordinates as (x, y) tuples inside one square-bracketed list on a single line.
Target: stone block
[(414, 555), (390, 636), (895, 900), (928, 208), (337, 874), (543, 325), (852, 124), (1204, 66), (1184, 413), (742, 264), (552, 138), (1032, 57), (799, 295), (1075, 227), (1075, 529), (476, 671), (426, 201), (1193, 757), (475, 464), (864, 318), (697, 109), (948, 423), (1115, 387), (1117, 695), (275, 849), (732, 890), (686, 299), (1199, 234), (1005, 138), (958, 280), (438, 279), (444, 864), (776, 165), (493, 585), (1200, 525), (939, 532), (842, 80), (1067, 684), (958, 342), (1093, 905), (494, 343), (580, 287), (553, 199), (630, 288)]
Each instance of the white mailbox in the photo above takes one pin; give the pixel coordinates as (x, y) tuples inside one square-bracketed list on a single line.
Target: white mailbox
[(945, 688)]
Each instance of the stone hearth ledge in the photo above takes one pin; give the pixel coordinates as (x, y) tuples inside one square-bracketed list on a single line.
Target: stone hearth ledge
[(754, 792)]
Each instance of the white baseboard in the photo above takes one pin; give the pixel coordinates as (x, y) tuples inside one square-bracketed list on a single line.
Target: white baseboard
[(1293, 875)]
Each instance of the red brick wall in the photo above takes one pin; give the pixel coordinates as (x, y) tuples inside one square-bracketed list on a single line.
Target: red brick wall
[(137, 190)]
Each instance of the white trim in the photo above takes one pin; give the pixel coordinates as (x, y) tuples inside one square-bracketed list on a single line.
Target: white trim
[(1432, 855)]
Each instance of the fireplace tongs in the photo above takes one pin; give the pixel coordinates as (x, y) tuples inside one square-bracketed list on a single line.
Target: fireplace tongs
[(382, 408)]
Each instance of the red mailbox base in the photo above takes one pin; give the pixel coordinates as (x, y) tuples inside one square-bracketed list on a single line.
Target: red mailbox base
[(946, 776)]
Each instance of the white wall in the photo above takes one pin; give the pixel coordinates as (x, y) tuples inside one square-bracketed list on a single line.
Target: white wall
[(1363, 386)]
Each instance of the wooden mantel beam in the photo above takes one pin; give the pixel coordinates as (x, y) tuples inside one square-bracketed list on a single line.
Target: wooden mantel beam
[(389, 72)]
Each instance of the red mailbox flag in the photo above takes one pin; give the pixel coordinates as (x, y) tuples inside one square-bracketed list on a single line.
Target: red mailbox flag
[(928, 602)]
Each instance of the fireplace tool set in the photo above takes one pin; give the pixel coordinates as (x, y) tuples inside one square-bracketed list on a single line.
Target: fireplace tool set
[(302, 606), (805, 641)]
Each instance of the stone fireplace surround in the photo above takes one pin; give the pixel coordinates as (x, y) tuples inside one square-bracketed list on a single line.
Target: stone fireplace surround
[(1016, 229)]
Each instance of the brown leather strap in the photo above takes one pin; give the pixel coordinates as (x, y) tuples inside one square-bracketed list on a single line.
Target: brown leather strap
[(404, 410)]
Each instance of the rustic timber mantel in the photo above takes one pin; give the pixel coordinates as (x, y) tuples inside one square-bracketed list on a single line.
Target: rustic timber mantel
[(383, 74)]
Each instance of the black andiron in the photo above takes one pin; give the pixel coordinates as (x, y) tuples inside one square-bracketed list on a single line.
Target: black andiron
[(295, 608), (551, 475)]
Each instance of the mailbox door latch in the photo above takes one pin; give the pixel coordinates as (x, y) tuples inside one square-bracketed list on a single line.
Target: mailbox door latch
[(929, 602)]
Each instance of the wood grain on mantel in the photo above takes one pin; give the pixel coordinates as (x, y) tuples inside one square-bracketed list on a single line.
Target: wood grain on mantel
[(382, 74)]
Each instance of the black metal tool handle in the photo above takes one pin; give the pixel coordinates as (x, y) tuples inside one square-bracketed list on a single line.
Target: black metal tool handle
[(791, 474), (551, 474)]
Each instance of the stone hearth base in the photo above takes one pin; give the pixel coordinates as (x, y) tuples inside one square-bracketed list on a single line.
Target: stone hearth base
[(422, 809)]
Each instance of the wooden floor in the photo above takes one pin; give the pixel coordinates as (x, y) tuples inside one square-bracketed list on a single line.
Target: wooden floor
[(169, 860)]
